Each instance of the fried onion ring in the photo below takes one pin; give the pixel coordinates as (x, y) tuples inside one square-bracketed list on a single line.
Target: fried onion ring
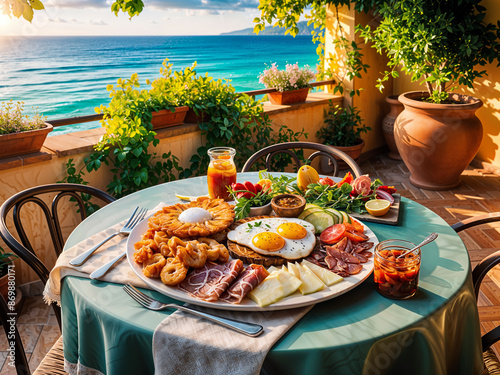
[(152, 267), (174, 272)]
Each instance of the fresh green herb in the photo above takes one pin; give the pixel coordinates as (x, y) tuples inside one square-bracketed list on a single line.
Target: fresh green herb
[(243, 205), (255, 224)]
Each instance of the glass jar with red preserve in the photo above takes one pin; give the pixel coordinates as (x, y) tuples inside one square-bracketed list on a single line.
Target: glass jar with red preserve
[(395, 270), (221, 172)]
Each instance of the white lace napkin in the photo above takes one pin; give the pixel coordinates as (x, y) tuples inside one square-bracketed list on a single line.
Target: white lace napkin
[(186, 344), (121, 273)]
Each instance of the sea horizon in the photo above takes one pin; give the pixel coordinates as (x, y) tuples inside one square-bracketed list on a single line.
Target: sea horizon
[(66, 76)]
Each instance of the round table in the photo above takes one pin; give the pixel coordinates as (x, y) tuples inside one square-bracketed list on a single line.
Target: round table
[(435, 332)]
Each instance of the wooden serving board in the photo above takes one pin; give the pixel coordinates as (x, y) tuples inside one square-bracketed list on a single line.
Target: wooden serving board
[(390, 218)]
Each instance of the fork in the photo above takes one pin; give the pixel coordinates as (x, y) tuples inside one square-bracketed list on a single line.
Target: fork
[(136, 216), (248, 329)]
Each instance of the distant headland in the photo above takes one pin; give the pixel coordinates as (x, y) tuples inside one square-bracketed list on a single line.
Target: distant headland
[(304, 29)]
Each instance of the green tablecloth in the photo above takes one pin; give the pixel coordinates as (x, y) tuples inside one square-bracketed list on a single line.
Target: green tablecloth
[(361, 332)]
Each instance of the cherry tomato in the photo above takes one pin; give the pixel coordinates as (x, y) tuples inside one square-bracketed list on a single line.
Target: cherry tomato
[(258, 188), (250, 187), (238, 187), (332, 234), (326, 181)]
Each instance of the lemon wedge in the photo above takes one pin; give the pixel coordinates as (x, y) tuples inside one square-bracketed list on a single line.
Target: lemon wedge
[(377, 207), (188, 197)]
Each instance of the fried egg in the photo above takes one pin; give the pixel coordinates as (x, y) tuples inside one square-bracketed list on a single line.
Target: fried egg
[(283, 237)]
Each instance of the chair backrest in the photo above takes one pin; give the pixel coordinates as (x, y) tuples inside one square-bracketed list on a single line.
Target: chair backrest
[(21, 244), (320, 150), (481, 270)]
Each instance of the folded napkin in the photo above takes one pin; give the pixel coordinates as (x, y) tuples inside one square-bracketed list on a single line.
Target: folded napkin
[(120, 273), (186, 344)]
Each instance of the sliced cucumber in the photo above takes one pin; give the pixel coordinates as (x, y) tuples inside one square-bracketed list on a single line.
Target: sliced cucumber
[(309, 211), (347, 218), (339, 219), (320, 220)]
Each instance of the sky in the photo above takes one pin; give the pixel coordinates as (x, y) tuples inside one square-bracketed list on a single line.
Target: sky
[(159, 17)]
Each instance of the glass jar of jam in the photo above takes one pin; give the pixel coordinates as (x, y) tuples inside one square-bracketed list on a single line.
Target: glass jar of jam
[(395, 276), (221, 172)]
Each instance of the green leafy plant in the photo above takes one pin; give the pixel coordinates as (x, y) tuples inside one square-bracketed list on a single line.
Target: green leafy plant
[(5, 259), (12, 119), (231, 119), (441, 44), (344, 126), (284, 13), (129, 134)]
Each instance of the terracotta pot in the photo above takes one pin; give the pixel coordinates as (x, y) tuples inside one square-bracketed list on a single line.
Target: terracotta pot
[(353, 151), (395, 108), (437, 141), (166, 118), (288, 97), (15, 144), (193, 118)]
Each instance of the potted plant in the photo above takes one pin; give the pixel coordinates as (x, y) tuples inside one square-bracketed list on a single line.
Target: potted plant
[(442, 46), (343, 129), (20, 134), (5, 260), (291, 84)]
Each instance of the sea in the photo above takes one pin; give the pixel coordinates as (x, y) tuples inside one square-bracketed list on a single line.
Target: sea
[(66, 76)]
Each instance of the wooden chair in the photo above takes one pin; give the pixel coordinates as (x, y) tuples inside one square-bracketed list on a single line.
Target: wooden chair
[(491, 361), (20, 244), (288, 147)]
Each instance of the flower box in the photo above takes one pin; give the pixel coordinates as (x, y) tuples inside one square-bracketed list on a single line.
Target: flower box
[(25, 142), (166, 118), (288, 97)]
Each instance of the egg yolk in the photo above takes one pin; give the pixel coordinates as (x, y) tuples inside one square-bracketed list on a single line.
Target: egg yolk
[(292, 231), (268, 241)]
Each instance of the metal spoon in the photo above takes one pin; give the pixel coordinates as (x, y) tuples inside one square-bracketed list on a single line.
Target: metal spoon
[(431, 237)]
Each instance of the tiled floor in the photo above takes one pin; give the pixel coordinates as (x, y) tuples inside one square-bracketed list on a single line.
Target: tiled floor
[(478, 193)]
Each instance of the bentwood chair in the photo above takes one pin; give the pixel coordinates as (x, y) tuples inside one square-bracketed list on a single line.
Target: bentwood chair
[(492, 363), (48, 199), (287, 148)]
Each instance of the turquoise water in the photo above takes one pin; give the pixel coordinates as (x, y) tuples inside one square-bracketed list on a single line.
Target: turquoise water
[(67, 76)]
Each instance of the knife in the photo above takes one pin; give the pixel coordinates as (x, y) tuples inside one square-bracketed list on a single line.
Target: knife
[(101, 271)]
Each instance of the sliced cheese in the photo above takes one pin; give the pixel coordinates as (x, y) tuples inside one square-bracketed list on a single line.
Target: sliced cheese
[(290, 282), (272, 269), (328, 277), (267, 292), (292, 268)]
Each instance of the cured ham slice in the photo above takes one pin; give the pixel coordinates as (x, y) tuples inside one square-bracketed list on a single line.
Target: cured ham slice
[(362, 246), (353, 269), (341, 255), (252, 276), (211, 280)]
